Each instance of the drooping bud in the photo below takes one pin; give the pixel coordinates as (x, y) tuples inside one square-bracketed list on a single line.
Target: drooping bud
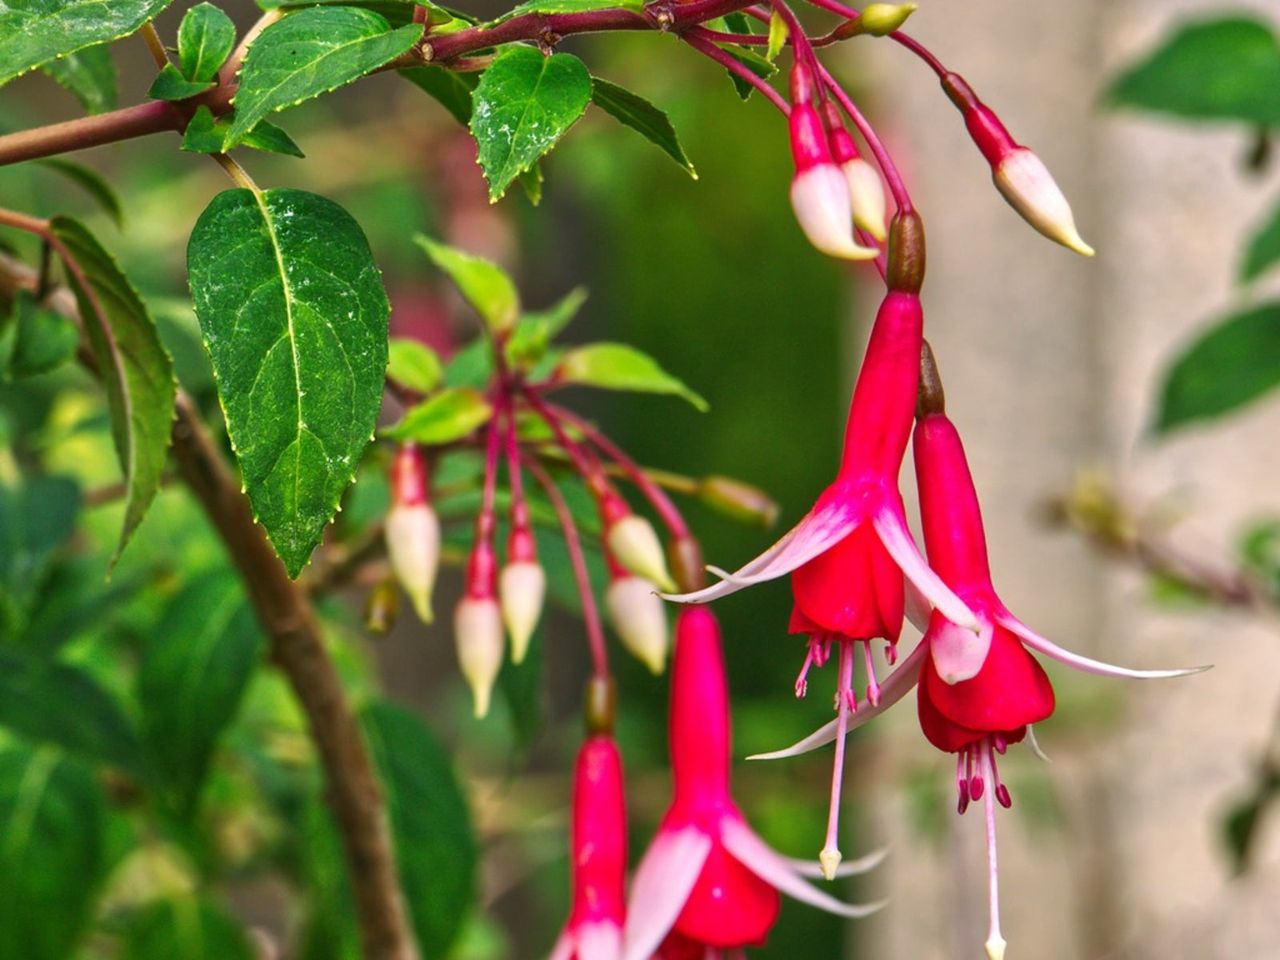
[(412, 529), (381, 606), (1020, 175), (866, 192), (739, 500), (634, 543), (521, 587), (477, 627), (819, 190), (882, 19), (905, 268), (637, 616)]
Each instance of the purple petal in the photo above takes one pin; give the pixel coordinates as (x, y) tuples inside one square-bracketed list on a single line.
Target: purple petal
[(662, 884), (1088, 665), (892, 527), (849, 868)]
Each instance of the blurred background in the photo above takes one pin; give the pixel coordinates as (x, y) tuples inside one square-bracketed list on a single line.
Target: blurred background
[(1148, 834)]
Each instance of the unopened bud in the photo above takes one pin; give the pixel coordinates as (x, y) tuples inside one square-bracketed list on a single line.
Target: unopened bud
[(477, 627), (1031, 190), (637, 616), (819, 192), (412, 530), (739, 500), (881, 19), (866, 194), (381, 606), (521, 589), (906, 259), (633, 543)]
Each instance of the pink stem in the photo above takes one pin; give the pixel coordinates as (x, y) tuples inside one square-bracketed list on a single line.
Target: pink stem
[(890, 170), (844, 692), (993, 871), (906, 40), (694, 37)]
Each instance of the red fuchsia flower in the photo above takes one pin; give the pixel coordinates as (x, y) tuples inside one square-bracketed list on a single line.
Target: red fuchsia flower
[(847, 557), (598, 856), (412, 530), (477, 625), (708, 885)]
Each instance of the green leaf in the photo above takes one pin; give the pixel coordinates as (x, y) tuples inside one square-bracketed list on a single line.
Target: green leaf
[(93, 184), (206, 37), (757, 64), (188, 928), (205, 134), (52, 820), (616, 366), (37, 516), (484, 284), (134, 367), (311, 52), (536, 329), (1234, 363), (1263, 251), (50, 702), (33, 32), (192, 675), (451, 414), (294, 317), (523, 688), (169, 84), (569, 6), (90, 74), (1226, 68), (472, 366), (778, 33), (430, 824), (531, 183), (524, 103), (451, 88), (42, 340), (413, 365), (642, 116)]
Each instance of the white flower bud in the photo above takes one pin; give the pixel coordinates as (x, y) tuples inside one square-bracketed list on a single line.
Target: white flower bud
[(1030, 189), (634, 544), (477, 627), (636, 614), (521, 589), (413, 546), (866, 194), (820, 199)]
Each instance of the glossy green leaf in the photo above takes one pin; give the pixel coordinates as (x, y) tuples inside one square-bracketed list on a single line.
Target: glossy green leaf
[(453, 413), (169, 84), (413, 365), (523, 104), (133, 365), (191, 677), (1225, 68), (91, 182), (484, 284), (1263, 250), (206, 37), (570, 6), (207, 134), (90, 74), (1235, 362), (52, 860), (642, 116), (537, 328), (33, 32), (35, 340), (311, 52), (186, 928), (452, 88), (616, 366), (294, 317)]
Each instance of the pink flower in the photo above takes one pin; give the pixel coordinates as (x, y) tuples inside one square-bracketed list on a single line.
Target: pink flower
[(598, 856), (708, 885)]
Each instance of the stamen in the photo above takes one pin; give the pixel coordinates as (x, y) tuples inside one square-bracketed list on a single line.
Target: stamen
[(995, 940), (891, 652), (873, 688), (962, 782), (1002, 792), (973, 766), (829, 857)]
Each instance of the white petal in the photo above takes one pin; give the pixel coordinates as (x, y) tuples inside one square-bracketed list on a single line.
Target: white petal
[(563, 950), (897, 540), (820, 199), (1088, 665), (1031, 190), (661, 886), (758, 857), (849, 868), (958, 654), (599, 941), (918, 606)]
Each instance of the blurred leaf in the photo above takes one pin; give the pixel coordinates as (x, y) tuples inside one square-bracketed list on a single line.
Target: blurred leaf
[(90, 74), (1235, 362), (186, 928), (170, 84), (295, 319), (1226, 68), (311, 52), (1260, 553), (92, 182), (36, 517), (35, 340), (617, 366), (523, 104), (51, 857), (413, 365), (531, 183), (1263, 251), (450, 415), (205, 134), (33, 32), (1240, 829), (642, 116), (537, 328), (484, 284), (192, 675), (472, 366), (522, 688), (206, 37), (778, 33), (135, 369), (74, 599), (452, 88), (757, 64)]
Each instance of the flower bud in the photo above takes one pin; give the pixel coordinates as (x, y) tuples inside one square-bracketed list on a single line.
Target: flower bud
[(477, 627), (412, 530), (739, 500), (521, 588), (1030, 189), (634, 544), (881, 19), (866, 193), (819, 191), (636, 615)]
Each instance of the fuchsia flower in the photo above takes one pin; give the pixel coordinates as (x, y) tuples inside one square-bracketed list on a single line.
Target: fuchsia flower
[(708, 885), (598, 856)]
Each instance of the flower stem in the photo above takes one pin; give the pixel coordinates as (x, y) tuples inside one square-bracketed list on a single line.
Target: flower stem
[(892, 177), (694, 37), (995, 940)]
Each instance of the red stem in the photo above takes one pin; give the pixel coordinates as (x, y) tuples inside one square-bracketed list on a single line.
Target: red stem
[(136, 121), (590, 470), (887, 167), (694, 36)]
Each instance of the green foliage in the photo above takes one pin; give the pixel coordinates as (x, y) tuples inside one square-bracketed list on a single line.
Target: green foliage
[(1263, 250), (778, 33), (616, 366), (452, 89), (413, 365), (536, 329), (36, 517), (524, 103), (569, 6), (185, 927), (642, 116), (33, 32), (169, 84), (311, 52), (1235, 362), (483, 283), (92, 183), (34, 340), (206, 37), (90, 74), (295, 320), (1225, 68), (453, 413), (134, 366), (51, 856), (208, 134)]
